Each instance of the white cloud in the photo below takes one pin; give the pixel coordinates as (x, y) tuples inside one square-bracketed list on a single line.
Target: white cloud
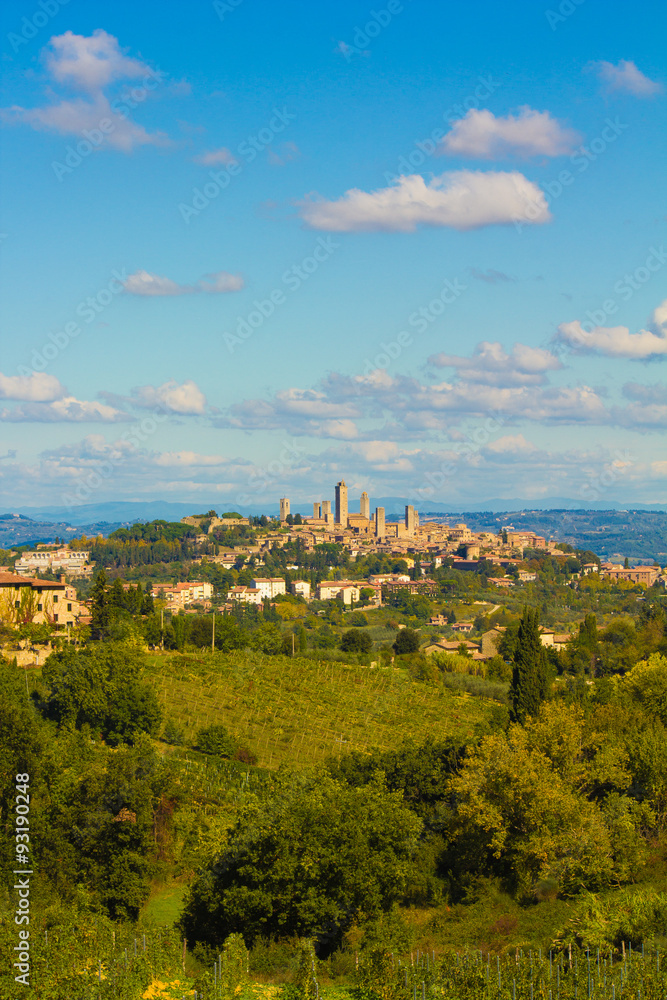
[(78, 116), (463, 199), (529, 133), (185, 398), (492, 365), (90, 64), (617, 341), (35, 388), (215, 158), (145, 283), (511, 444), (186, 459), (65, 410), (627, 78)]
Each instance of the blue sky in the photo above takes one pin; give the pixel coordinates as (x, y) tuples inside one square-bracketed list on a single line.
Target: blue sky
[(251, 248)]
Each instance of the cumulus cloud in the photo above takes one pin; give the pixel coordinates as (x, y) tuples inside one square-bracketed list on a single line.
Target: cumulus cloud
[(37, 387), (90, 64), (627, 78), (617, 341), (511, 444), (147, 284), (492, 365), (215, 158), (185, 398), (68, 409), (463, 199), (183, 459), (529, 133)]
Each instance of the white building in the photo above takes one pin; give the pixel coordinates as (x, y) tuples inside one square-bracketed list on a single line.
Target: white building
[(63, 560), (182, 594), (344, 590), (269, 587), (302, 589), (246, 595)]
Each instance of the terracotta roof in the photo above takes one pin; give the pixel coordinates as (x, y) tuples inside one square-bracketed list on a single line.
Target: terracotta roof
[(14, 579)]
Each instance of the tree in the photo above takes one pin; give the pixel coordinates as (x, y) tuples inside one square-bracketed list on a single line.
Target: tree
[(99, 686), (522, 815), (407, 641), (100, 607), (356, 641), (358, 618), (309, 861), (529, 676), (215, 740)]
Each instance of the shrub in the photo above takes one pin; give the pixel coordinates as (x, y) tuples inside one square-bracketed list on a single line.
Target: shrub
[(215, 739), (354, 641)]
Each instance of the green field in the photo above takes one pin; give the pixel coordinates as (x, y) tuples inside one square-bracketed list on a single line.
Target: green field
[(299, 712)]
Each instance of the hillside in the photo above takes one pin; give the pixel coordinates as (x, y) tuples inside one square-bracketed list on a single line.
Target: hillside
[(297, 712)]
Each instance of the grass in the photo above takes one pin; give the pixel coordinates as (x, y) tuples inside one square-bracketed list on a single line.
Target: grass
[(164, 905), (299, 712)]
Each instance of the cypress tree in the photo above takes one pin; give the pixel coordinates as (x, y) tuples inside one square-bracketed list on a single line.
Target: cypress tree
[(529, 676), (99, 607)]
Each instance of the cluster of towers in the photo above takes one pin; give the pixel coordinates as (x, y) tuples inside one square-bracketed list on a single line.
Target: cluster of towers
[(341, 518)]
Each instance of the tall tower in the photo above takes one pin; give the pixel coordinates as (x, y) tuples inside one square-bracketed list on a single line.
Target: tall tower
[(326, 508), (410, 523), (365, 505), (341, 503), (379, 522), (284, 508), (317, 511)]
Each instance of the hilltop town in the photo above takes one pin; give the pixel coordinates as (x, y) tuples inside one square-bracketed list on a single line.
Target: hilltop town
[(338, 556)]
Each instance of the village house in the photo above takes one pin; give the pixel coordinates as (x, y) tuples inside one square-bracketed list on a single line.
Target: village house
[(269, 587), (346, 591), (180, 595), (245, 595), (28, 600), (646, 575)]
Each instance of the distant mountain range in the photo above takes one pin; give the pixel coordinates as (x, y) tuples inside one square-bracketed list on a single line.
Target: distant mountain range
[(123, 511), (616, 531)]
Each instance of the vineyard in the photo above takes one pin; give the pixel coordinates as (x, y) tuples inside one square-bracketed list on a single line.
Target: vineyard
[(103, 962), (295, 711)]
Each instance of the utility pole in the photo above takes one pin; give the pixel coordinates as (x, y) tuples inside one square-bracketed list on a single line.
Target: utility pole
[(292, 643), (162, 629), (213, 635)]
